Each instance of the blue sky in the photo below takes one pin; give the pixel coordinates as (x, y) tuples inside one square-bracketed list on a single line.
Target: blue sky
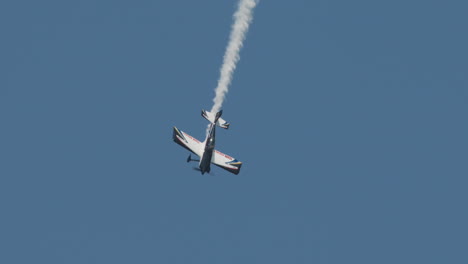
[(349, 116)]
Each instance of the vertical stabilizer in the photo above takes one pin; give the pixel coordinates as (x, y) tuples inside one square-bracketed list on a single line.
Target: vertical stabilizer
[(218, 115)]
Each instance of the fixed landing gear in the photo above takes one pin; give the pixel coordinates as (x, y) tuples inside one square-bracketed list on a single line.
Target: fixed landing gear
[(189, 159)]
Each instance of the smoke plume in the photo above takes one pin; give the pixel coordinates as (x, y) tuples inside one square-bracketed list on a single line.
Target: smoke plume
[(242, 20)]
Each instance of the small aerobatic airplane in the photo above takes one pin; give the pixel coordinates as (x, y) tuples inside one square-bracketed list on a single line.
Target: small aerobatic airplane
[(205, 150)]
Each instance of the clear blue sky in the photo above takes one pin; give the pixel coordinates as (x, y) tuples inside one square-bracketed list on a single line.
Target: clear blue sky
[(350, 118)]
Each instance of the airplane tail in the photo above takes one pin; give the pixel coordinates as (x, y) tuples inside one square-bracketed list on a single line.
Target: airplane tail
[(218, 115), (215, 118)]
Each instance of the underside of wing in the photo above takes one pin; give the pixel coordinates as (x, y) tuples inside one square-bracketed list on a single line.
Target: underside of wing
[(188, 142), (226, 162)]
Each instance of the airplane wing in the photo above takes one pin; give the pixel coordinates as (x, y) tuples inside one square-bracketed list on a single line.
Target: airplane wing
[(226, 162), (188, 142)]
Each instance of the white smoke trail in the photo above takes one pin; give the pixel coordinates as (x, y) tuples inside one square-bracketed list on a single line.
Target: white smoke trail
[(242, 20)]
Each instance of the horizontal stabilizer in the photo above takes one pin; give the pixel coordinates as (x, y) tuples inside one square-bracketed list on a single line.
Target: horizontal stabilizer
[(212, 118)]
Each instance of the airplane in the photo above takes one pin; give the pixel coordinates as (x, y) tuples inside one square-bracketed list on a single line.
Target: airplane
[(205, 150)]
